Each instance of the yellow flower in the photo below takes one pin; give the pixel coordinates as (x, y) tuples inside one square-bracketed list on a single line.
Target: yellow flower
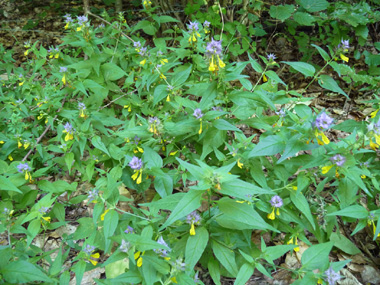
[(162, 76), (272, 215), (68, 137), (221, 63), (139, 258), (363, 176), (168, 98), (174, 280), (137, 176), (212, 66), (47, 219), (326, 169), (1, 142), (239, 164), (64, 79), (26, 52), (325, 139), (26, 145), (200, 128), (78, 29), (19, 144), (296, 243), (373, 145), (174, 152), (377, 138), (192, 230), (374, 113), (67, 26), (10, 157), (95, 255), (128, 106), (82, 115), (343, 57), (143, 62), (163, 61), (295, 188), (104, 214), (21, 83), (265, 79)]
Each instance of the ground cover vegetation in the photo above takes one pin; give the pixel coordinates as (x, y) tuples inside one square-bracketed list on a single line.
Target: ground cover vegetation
[(188, 151)]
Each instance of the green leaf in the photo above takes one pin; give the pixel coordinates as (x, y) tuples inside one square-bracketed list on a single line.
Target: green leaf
[(160, 92), (344, 244), (303, 67), (144, 243), (112, 72), (223, 125), (146, 26), (242, 213), (190, 202), (7, 185), (350, 126), (152, 158), (214, 270), (79, 268), (329, 83), (301, 203), (21, 271), (274, 77), (316, 256), (354, 211), (244, 274), (180, 77), (304, 19), (269, 145), (226, 257), (293, 146), (241, 189), (271, 253), (163, 184), (314, 5), (69, 159), (97, 143), (196, 171), (281, 12), (195, 246), (322, 52)]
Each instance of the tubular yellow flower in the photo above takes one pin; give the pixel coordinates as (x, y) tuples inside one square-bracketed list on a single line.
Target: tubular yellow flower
[(19, 144), (343, 57), (239, 164), (374, 113), (143, 62), (373, 145), (47, 219), (220, 62), (163, 61), (265, 79), (326, 169), (64, 79), (192, 230), (10, 157), (212, 66), (104, 214), (272, 215), (26, 145), (168, 98)]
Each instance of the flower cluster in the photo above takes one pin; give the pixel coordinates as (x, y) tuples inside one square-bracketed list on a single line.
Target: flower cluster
[(213, 52), (88, 251), (162, 252), (136, 164), (154, 124), (293, 240), (331, 276), (43, 211), (129, 230), (25, 168), (68, 20), (82, 21), (81, 107), (63, 70), (193, 219), (206, 26), (125, 246), (198, 114), (93, 195), (374, 132), (276, 203), (322, 122), (69, 130), (338, 159), (193, 31), (342, 48)]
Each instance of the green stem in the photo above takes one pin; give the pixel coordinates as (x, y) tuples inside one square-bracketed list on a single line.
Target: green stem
[(261, 76)]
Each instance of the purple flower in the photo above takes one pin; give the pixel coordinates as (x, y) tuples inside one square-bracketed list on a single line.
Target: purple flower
[(193, 27), (193, 218), (137, 44), (129, 230), (323, 121), (89, 249), (93, 194), (206, 24), (196, 278), (276, 201), (81, 106), (62, 69), (374, 127), (179, 265), (6, 211), (159, 53), (217, 108), (135, 163), (271, 57), (154, 121), (23, 167), (169, 88), (43, 210), (68, 128), (124, 247), (68, 18), (281, 113), (136, 140), (198, 113), (345, 44), (213, 48), (142, 51), (162, 252), (82, 20), (331, 276), (338, 159)]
